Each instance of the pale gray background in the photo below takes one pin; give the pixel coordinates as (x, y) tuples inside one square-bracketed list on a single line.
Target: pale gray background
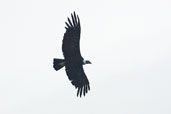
[(128, 42)]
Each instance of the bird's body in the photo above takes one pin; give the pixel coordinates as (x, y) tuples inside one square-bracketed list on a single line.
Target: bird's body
[(73, 61)]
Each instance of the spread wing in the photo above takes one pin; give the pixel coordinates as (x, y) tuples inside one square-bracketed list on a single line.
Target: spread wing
[(78, 78), (71, 40), (73, 58)]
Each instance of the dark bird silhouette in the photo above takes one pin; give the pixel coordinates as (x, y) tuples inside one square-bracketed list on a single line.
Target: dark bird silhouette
[(73, 61)]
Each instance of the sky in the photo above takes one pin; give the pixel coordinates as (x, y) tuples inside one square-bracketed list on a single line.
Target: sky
[(128, 43)]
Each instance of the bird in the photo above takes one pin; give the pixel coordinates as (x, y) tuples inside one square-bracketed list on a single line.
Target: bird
[(73, 61)]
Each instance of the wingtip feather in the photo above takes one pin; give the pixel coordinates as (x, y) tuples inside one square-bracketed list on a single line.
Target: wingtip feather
[(70, 22)]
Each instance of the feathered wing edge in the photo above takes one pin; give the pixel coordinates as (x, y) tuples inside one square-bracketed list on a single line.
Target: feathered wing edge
[(75, 21), (84, 89), (82, 86)]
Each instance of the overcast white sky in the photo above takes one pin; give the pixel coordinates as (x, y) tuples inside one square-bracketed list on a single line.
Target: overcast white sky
[(128, 42)]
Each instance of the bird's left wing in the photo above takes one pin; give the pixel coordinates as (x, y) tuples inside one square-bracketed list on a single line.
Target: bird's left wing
[(71, 39)]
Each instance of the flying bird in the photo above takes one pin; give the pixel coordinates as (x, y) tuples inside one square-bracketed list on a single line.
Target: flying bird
[(73, 61)]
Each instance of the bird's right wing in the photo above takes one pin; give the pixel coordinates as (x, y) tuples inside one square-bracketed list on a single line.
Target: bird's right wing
[(78, 78)]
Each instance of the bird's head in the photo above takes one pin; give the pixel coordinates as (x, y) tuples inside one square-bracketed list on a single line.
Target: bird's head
[(86, 62)]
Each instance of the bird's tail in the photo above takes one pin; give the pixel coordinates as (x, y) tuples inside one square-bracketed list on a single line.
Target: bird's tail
[(58, 63)]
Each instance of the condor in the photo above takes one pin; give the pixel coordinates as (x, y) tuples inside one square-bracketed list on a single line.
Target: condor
[(73, 61)]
